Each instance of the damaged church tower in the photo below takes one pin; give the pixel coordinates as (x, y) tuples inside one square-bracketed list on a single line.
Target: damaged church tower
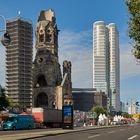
[(49, 87)]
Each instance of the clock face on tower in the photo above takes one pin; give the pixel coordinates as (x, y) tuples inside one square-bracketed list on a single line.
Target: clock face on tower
[(39, 60)]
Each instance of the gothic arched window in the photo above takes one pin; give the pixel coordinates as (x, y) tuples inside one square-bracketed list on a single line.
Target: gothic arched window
[(41, 81), (48, 35), (41, 38)]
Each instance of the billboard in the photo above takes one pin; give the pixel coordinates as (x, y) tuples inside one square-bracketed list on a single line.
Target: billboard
[(67, 116)]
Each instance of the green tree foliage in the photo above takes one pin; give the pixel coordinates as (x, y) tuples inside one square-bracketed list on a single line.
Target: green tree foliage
[(14, 105), (98, 110), (134, 25), (4, 103), (125, 114)]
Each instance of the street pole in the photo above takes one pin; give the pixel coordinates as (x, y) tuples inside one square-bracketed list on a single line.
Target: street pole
[(5, 40)]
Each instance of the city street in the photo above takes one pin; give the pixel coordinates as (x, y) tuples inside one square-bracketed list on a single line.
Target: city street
[(118, 133)]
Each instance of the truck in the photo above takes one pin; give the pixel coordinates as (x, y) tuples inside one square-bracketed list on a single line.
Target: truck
[(17, 121), (47, 117)]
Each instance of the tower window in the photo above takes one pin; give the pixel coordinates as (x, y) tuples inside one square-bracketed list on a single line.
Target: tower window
[(48, 31), (41, 37), (41, 81), (48, 37)]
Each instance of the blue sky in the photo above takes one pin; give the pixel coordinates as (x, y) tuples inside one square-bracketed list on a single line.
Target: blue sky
[(75, 19)]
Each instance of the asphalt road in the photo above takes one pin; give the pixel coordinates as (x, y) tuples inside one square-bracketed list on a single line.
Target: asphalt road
[(117, 133)]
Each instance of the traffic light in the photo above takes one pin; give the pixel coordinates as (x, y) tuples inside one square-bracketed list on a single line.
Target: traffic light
[(137, 103), (5, 40)]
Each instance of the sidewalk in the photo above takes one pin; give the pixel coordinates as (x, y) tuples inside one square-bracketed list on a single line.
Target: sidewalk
[(47, 133)]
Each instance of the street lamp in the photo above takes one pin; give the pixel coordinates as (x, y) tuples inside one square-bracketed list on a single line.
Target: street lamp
[(5, 40)]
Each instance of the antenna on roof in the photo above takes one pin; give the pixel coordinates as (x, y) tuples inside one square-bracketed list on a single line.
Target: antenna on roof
[(19, 13)]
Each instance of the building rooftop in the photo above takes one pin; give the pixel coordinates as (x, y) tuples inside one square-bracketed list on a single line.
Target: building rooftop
[(19, 18), (84, 90)]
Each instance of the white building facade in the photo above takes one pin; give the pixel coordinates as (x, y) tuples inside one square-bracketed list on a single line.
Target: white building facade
[(132, 108), (106, 70)]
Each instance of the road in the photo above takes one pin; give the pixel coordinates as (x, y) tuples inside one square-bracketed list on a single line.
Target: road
[(131, 132)]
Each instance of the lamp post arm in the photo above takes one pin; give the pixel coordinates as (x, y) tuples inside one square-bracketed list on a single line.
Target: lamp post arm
[(2, 30), (4, 20)]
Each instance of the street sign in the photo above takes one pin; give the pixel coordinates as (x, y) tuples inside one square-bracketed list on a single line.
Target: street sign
[(92, 116)]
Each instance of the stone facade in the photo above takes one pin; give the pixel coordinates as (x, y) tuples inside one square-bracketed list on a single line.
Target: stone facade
[(48, 83), (67, 87), (100, 99)]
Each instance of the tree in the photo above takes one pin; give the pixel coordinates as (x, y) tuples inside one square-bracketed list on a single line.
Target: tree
[(125, 114), (4, 103), (134, 25), (98, 110)]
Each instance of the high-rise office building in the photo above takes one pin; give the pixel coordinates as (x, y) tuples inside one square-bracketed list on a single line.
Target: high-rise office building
[(101, 57), (132, 107), (19, 61), (106, 75)]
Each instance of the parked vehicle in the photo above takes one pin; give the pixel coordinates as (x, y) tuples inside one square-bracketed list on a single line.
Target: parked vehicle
[(47, 117), (3, 117), (15, 121)]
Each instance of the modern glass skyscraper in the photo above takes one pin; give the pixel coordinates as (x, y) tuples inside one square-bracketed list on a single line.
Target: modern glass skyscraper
[(106, 76), (114, 66), (19, 61)]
